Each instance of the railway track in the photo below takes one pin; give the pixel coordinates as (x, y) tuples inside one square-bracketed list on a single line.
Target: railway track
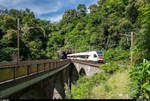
[(92, 63)]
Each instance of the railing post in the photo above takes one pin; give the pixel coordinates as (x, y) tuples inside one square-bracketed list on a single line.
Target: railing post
[(49, 65), (63, 62), (37, 68), (14, 73), (55, 64), (59, 63), (52, 65), (28, 69), (44, 66)]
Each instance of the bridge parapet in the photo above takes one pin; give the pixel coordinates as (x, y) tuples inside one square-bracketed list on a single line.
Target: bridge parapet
[(13, 70), (43, 75), (21, 63), (90, 63)]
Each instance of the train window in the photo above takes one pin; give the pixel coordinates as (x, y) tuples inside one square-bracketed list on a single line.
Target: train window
[(95, 55), (100, 53), (82, 56)]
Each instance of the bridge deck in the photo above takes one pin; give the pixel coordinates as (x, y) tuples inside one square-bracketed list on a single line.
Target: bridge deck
[(16, 88), (13, 71), (17, 76)]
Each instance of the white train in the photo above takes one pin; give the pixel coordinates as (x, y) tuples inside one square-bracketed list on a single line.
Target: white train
[(97, 56)]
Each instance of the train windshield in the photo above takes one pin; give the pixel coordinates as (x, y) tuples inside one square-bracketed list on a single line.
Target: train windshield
[(100, 53)]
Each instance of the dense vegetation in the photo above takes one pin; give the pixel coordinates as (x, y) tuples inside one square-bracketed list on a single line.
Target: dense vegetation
[(101, 29), (115, 80), (140, 80), (103, 85)]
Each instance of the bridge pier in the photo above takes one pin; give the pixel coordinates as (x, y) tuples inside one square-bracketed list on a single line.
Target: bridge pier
[(59, 90), (50, 88), (46, 87)]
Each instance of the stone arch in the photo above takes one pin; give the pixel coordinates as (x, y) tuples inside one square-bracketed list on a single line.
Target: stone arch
[(82, 72), (74, 75)]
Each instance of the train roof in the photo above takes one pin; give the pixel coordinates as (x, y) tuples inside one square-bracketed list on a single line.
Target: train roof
[(83, 53)]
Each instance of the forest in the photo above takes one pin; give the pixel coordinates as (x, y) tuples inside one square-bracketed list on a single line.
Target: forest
[(102, 28)]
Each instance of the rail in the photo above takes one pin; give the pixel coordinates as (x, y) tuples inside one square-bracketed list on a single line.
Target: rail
[(12, 70)]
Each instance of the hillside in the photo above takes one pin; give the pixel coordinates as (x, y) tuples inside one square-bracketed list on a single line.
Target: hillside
[(100, 29), (107, 27)]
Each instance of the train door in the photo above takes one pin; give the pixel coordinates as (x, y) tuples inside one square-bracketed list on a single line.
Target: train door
[(86, 57), (90, 57), (95, 57)]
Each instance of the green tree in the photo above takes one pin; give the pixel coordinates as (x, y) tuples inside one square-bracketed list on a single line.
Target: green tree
[(81, 10), (93, 8)]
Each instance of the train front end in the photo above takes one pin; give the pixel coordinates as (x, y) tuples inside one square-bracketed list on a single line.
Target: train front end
[(100, 57)]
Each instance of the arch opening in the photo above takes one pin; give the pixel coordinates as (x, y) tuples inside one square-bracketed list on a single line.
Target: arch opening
[(82, 72)]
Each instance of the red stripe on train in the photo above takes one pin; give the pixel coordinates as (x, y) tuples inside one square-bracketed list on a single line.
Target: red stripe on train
[(100, 57)]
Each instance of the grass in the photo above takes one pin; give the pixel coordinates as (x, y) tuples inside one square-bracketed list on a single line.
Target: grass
[(113, 82), (116, 87)]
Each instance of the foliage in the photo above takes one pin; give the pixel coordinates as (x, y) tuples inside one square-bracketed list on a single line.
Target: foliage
[(113, 88), (101, 29), (140, 80), (6, 53), (142, 48), (30, 48), (78, 30), (88, 87), (93, 8), (117, 54), (111, 67), (85, 84)]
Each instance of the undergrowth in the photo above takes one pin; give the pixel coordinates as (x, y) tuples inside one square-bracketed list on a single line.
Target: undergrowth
[(101, 83), (117, 54), (140, 80)]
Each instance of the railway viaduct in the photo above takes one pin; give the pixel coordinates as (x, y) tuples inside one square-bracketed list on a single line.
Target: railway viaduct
[(42, 79)]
